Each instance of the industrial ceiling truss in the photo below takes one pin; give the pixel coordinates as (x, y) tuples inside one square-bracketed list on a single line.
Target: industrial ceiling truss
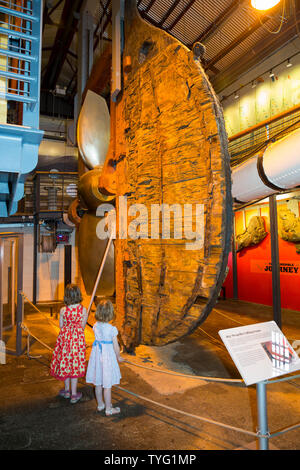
[(236, 36)]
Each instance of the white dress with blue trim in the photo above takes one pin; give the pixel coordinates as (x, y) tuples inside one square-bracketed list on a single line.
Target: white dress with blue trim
[(103, 367)]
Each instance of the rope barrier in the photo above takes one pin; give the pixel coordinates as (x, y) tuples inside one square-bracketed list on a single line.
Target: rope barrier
[(221, 345), (190, 415), (26, 329), (186, 376), (43, 313), (236, 321), (175, 410), (177, 374), (39, 311), (283, 431), (229, 318), (201, 418)]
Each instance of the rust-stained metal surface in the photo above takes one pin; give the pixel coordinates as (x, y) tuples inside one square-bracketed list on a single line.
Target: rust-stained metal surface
[(170, 146)]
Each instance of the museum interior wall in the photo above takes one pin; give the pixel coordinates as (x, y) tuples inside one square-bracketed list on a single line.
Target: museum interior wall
[(262, 97)]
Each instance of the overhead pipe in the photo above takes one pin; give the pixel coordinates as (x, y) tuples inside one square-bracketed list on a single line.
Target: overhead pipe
[(276, 169)]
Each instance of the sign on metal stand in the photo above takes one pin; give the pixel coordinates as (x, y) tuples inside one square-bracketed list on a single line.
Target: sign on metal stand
[(260, 352)]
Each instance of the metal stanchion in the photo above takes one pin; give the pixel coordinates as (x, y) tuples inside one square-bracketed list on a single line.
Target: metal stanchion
[(261, 396)]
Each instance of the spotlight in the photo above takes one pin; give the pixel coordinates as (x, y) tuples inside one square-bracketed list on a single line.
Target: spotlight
[(253, 84), (236, 95), (271, 74), (264, 4), (289, 63)]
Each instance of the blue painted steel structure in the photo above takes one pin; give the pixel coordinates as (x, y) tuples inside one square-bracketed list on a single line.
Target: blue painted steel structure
[(20, 59)]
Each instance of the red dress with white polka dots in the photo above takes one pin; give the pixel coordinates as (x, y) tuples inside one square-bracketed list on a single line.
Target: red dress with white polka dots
[(68, 360)]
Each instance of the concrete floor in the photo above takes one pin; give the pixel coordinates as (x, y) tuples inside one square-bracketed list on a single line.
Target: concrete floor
[(32, 416)]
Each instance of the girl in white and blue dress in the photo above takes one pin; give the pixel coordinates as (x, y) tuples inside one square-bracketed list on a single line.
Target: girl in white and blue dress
[(103, 369)]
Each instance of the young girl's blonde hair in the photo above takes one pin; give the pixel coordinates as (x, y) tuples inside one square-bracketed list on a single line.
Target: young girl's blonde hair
[(104, 311)]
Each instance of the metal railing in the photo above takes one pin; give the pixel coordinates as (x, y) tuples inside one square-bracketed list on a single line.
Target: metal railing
[(244, 145)]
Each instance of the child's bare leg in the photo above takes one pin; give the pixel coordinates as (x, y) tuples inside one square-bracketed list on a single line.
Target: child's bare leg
[(98, 393), (109, 410), (74, 386), (107, 398), (67, 385)]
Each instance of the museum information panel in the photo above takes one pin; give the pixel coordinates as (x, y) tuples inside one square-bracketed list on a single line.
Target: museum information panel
[(260, 351)]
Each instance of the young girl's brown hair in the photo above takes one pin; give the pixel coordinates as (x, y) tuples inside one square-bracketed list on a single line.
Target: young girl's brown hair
[(104, 311), (72, 295)]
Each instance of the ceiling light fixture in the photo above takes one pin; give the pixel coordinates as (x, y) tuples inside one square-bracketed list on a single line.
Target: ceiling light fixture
[(264, 4), (289, 63), (253, 84), (236, 95), (271, 75)]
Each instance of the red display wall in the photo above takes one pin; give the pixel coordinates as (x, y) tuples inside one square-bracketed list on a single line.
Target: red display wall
[(254, 267)]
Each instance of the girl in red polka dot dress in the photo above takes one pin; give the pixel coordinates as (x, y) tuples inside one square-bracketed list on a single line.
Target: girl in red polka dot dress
[(68, 360)]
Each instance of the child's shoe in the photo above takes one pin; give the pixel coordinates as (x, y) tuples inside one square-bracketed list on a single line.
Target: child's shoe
[(76, 398), (64, 393), (112, 411)]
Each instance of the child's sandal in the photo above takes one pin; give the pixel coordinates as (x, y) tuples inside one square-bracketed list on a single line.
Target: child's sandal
[(76, 398), (64, 393), (112, 411)]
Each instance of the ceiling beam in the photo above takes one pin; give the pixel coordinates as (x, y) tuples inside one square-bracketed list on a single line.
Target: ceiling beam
[(169, 12), (45, 16), (100, 74), (74, 76), (100, 36), (149, 6), (237, 41), (55, 7), (183, 12), (105, 12), (213, 27), (256, 56), (72, 54), (62, 43)]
